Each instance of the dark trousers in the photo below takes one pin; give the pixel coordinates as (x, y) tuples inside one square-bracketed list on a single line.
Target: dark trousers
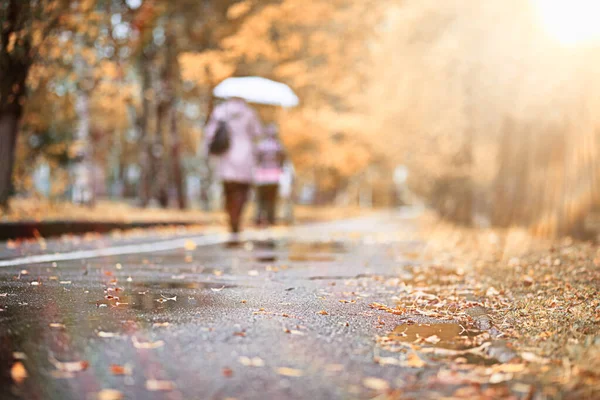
[(266, 196), (236, 195)]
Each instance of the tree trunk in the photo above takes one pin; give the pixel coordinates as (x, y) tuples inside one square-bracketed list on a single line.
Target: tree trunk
[(159, 164), (171, 80), (9, 124), (145, 150), (178, 178), (13, 73)]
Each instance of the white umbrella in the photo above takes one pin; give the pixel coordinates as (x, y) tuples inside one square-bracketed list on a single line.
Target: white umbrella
[(258, 90)]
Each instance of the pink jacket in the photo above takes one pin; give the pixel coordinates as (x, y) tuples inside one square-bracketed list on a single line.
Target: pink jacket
[(270, 157), (238, 163)]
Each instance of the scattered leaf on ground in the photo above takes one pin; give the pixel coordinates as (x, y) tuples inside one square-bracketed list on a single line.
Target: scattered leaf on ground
[(116, 369), (323, 312), (18, 372), (383, 307), (69, 367), (190, 245), (251, 362), (293, 332), (103, 334), (292, 372), (387, 361), (147, 345), (433, 339), (376, 384), (498, 377), (217, 289), (154, 385), (414, 361), (531, 357), (109, 394), (527, 280)]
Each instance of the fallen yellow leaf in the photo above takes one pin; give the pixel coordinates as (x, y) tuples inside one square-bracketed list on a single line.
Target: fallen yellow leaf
[(414, 361), (109, 394), (433, 339), (251, 362), (154, 385), (147, 345), (72, 366), (292, 372), (107, 334), (18, 372), (189, 245), (376, 384)]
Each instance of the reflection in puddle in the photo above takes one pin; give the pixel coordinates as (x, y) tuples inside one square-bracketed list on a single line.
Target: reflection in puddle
[(180, 285), (266, 257), (449, 336), (317, 247), (157, 296), (311, 257), (262, 244), (315, 251)]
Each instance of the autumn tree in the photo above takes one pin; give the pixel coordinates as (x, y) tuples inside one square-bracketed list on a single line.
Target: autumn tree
[(24, 24), (467, 100), (322, 52)]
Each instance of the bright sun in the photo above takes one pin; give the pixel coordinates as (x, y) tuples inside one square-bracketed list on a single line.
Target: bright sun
[(570, 22)]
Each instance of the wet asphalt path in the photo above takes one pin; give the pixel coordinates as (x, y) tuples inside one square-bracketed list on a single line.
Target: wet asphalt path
[(290, 321)]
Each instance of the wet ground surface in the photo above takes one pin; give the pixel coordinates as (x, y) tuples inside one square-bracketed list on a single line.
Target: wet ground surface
[(288, 318), (66, 243)]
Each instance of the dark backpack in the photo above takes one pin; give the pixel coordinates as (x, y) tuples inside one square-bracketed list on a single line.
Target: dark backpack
[(221, 141)]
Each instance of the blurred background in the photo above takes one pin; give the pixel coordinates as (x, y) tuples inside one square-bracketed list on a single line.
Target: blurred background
[(485, 111)]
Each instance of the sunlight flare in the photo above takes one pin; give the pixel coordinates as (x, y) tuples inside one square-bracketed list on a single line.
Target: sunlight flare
[(571, 22)]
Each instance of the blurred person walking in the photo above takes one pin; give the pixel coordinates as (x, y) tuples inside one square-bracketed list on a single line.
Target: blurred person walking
[(230, 134), (270, 159)]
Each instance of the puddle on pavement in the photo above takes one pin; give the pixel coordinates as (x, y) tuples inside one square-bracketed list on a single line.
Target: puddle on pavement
[(311, 257), (261, 244), (180, 285), (151, 296), (451, 336), (315, 251), (317, 247), (266, 258)]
